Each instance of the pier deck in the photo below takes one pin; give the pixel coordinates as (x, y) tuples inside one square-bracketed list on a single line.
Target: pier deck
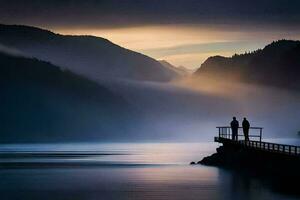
[(255, 141)]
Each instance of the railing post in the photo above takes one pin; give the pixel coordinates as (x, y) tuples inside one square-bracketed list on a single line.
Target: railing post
[(260, 134), (228, 130), (227, 133)]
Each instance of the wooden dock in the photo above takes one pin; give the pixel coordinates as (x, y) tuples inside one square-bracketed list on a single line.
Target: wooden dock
[(255, 142), (277, 165)]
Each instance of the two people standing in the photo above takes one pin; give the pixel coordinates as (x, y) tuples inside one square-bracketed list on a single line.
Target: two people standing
[(235, 126)]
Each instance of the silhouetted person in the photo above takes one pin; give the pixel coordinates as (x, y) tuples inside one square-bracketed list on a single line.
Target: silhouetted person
[(234, 128), (246, 126)]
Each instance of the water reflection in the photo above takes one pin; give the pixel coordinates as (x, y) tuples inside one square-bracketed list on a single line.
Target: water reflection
[(171, 177)]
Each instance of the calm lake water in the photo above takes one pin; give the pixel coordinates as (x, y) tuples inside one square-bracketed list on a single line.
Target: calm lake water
[(143, 171)]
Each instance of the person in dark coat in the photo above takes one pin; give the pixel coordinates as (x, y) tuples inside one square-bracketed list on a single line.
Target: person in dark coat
[(246, 126), (234, 128)]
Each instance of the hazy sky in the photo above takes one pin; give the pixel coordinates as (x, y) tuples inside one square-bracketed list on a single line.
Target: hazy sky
[(184, 32)]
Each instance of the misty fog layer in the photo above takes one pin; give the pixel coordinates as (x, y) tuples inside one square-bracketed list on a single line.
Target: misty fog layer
[(190, 108)]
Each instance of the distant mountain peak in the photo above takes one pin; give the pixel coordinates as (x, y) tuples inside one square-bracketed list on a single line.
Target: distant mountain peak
[(181, 70)]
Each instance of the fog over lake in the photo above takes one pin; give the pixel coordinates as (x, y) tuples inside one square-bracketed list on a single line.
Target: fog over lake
[(190, 109)]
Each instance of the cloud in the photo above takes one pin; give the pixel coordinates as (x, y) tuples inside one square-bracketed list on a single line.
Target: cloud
[(203, 48), (115, 13), (10, 51)]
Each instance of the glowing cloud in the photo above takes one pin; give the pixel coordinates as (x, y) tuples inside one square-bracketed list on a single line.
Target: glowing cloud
[(187, 45)]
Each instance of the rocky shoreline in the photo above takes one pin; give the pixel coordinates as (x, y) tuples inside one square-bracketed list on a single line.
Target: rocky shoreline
[(280, 172)]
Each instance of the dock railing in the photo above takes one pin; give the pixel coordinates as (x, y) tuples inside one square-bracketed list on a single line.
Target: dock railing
[(255, 133), (255, 141)]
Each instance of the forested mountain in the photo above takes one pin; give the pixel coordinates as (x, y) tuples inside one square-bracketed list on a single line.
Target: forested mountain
[(277, 64)]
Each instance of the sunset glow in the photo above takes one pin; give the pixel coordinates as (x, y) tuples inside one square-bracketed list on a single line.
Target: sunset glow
[(185, 45)]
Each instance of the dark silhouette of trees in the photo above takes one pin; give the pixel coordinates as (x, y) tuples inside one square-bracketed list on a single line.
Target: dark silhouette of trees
[(277, 64), (41, 102)]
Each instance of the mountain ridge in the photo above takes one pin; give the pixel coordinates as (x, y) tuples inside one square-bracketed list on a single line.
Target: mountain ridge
[(277, 64), (94, 57)]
